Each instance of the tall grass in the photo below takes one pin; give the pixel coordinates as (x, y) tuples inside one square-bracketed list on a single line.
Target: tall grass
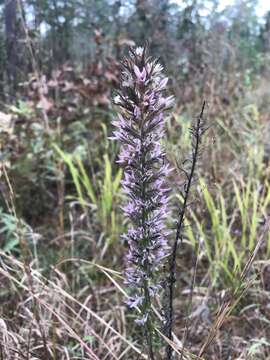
[(101, 193), (231, 233)]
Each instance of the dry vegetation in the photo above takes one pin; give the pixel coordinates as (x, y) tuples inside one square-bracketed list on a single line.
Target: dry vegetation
[(62, 257)]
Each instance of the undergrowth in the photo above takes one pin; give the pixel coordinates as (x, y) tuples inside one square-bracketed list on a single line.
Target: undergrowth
[(61, 254)]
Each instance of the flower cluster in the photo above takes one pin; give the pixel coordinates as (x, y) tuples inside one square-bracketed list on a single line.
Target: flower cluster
[(140, 128)]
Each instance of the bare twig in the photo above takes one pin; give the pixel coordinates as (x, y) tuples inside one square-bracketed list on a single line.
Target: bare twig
[(187, 326), (197, 132)]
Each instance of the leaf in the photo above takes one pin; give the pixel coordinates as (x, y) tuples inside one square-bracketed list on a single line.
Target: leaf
[(11, 244), (86, 181), (74, 172)]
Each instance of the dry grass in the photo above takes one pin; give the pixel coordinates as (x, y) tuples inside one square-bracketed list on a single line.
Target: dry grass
[(51, 322)]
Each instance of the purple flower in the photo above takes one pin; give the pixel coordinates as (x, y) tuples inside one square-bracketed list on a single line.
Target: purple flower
[(141, 75), (139, 129), (142, 320), (133, 302)]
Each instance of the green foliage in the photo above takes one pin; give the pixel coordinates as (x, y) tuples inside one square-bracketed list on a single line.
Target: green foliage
[(231, 233), (22, 109), (98, 193), (12, 231)]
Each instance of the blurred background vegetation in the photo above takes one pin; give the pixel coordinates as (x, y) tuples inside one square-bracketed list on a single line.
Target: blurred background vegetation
[(60, 186)]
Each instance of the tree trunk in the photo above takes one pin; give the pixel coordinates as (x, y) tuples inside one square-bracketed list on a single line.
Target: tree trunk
[(11, 42)]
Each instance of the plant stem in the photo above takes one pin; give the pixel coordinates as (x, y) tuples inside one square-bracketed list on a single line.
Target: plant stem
[(172, 264), (148, 325), (147, 301)]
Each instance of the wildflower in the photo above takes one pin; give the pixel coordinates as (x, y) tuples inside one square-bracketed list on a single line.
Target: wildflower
[(140, 128)]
